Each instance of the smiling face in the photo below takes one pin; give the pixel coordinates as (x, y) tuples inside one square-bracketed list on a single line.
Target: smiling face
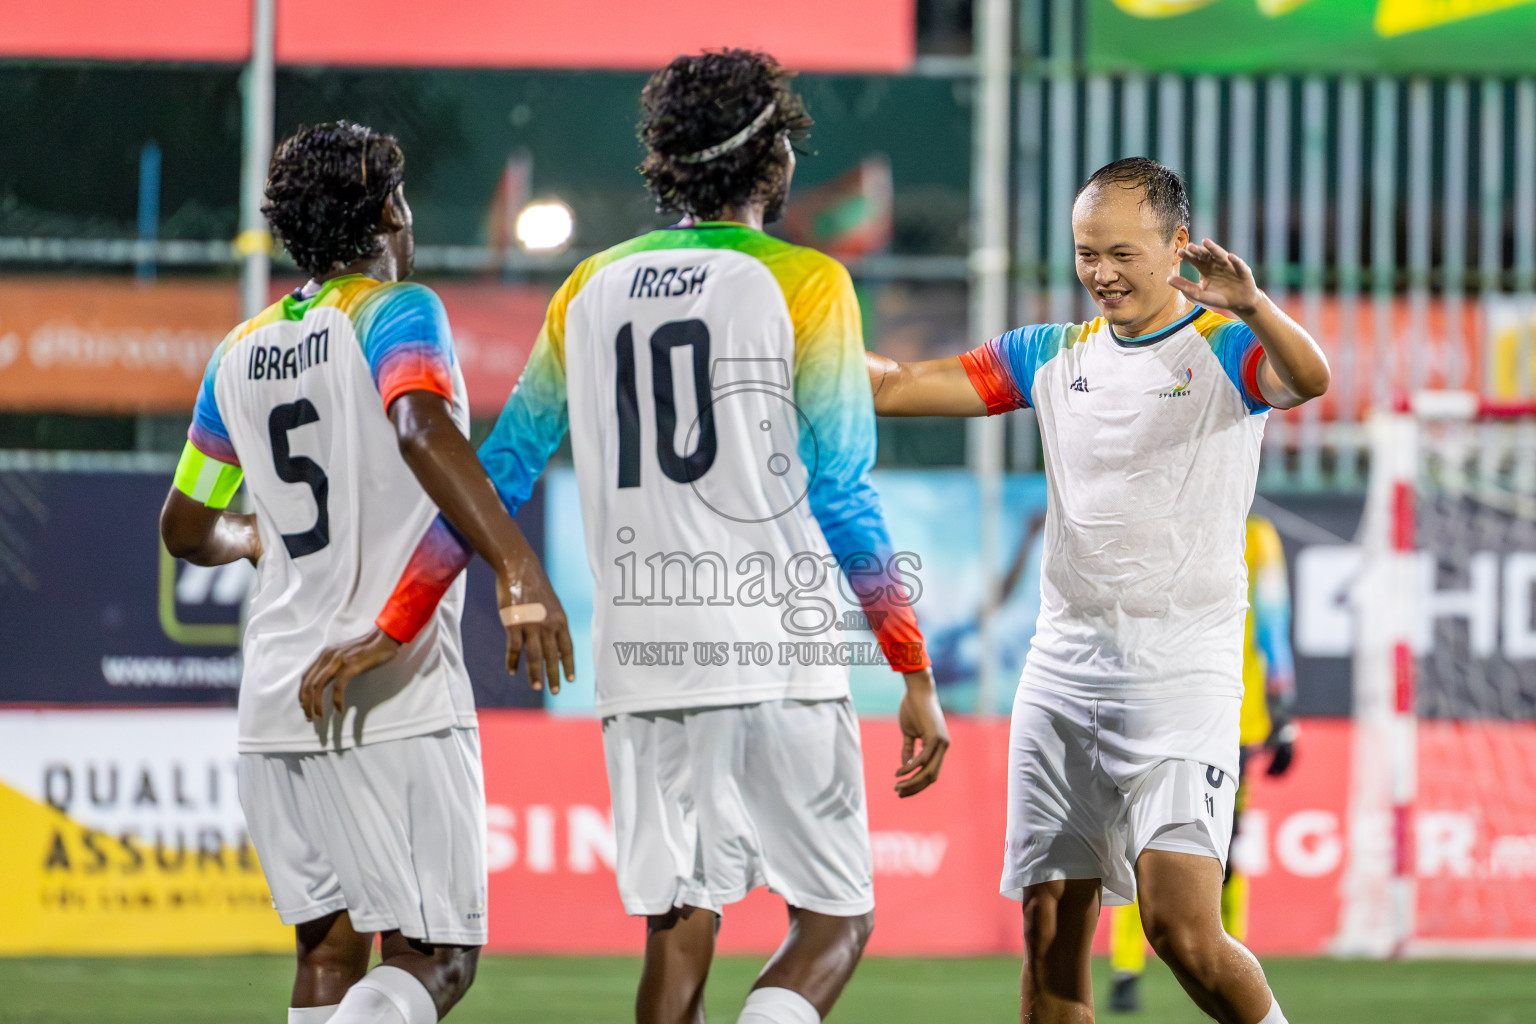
[(1125, 257)]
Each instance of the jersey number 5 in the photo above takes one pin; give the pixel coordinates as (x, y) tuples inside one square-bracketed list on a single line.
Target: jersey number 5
[(682, 468), (297, 469)]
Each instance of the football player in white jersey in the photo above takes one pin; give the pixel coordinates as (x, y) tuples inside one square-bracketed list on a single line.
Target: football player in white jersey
[(712, 378), (1124, 741), (343, 408)]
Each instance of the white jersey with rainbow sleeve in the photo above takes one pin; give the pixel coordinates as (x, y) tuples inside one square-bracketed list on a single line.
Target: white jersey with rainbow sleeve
[(297, 398), (1151, 456), (721, 424)]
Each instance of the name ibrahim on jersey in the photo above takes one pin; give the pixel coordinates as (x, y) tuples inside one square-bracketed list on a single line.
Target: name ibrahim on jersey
[(371, 818)]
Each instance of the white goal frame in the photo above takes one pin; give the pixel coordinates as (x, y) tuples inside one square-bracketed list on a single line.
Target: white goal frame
[(1378, 898)]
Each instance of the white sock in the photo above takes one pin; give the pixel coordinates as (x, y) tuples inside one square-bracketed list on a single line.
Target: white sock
[(311, 1014), (387, 995), (1274, 1016), (779, 1006)]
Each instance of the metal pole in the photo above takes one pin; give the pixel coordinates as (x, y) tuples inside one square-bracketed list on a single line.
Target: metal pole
[(1205, 157), (1277, 247), (149, 207), (1427, 350), (254, 243), (1314, 241), (1525, 186), (1348, 223), (989, 304), (1064, 177), (1453, 229), (1384, 210), (1029, 200)]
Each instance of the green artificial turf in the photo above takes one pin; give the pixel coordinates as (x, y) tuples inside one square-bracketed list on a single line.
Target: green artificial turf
[(557, 990)]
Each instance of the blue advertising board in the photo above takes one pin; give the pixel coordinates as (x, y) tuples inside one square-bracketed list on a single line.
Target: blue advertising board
[(94, 611)]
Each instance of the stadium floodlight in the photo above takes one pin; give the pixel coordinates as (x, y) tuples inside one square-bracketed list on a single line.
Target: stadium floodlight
[(545, 225)]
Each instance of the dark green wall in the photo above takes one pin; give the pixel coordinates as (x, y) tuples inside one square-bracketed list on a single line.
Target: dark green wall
[(72, 133)]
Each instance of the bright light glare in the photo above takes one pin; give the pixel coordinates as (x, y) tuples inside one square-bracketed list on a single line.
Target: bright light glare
[(545, 225)]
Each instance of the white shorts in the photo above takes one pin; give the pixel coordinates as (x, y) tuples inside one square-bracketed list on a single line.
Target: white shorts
[(1093, 783), (710, 803), (391, 832)]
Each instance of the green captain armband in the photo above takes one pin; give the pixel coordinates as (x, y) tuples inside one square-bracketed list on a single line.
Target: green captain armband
[(208, 481)]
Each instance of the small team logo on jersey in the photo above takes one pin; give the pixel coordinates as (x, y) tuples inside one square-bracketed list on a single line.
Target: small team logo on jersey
[(1180, 385), (1081, 384)]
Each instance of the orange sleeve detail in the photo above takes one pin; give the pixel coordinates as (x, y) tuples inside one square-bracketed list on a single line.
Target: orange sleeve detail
[(991, 379)]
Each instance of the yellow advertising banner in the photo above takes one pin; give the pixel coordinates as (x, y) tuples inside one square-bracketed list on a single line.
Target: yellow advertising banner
[(1394, 17), (1331, 37), (121, 832)]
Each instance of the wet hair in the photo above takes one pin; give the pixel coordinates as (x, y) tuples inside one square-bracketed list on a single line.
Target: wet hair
[(1162, 190), (698, 102), (326, 190)]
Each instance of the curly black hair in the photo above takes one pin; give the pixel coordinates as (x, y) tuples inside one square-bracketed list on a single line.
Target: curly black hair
[(326, 190), (697, 102), (1162, 188)]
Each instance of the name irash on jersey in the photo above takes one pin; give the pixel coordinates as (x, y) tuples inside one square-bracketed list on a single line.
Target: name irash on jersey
[(650, 283), (269, 362)]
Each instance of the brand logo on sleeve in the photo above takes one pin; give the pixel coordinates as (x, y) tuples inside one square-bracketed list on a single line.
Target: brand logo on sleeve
[(1180, 387)]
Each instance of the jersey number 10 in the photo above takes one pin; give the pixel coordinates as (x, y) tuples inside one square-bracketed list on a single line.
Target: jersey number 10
[(682, 468)]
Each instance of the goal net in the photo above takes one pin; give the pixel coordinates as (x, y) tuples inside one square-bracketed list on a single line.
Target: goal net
[(1442, 816)]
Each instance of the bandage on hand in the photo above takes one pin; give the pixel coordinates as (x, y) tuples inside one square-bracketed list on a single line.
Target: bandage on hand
[(518, 614)]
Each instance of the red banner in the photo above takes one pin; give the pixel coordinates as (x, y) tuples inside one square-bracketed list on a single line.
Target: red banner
[(937, 856), (803, 34)]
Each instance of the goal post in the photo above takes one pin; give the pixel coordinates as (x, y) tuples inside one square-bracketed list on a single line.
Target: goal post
[(1442, 802)]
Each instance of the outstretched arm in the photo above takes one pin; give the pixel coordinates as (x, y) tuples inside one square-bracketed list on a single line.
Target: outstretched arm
[(1294, 369), (513, 456), (935, 387), (446, 466), (409, 348), (840, 443), (473, 518)]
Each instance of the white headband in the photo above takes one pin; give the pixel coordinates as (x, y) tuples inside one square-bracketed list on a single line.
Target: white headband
[(734, 142)]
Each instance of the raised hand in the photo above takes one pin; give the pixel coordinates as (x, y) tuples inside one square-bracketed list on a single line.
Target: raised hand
[(1226, 282)]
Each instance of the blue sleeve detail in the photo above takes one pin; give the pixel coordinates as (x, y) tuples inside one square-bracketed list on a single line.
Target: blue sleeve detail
[(407, 342), (208, 432), (1026, 349), (529, 429), (831, 389), (839, 449), (1237, 348)]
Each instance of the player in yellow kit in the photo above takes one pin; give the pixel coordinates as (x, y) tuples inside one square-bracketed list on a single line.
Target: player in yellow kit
[(1269, 691)]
